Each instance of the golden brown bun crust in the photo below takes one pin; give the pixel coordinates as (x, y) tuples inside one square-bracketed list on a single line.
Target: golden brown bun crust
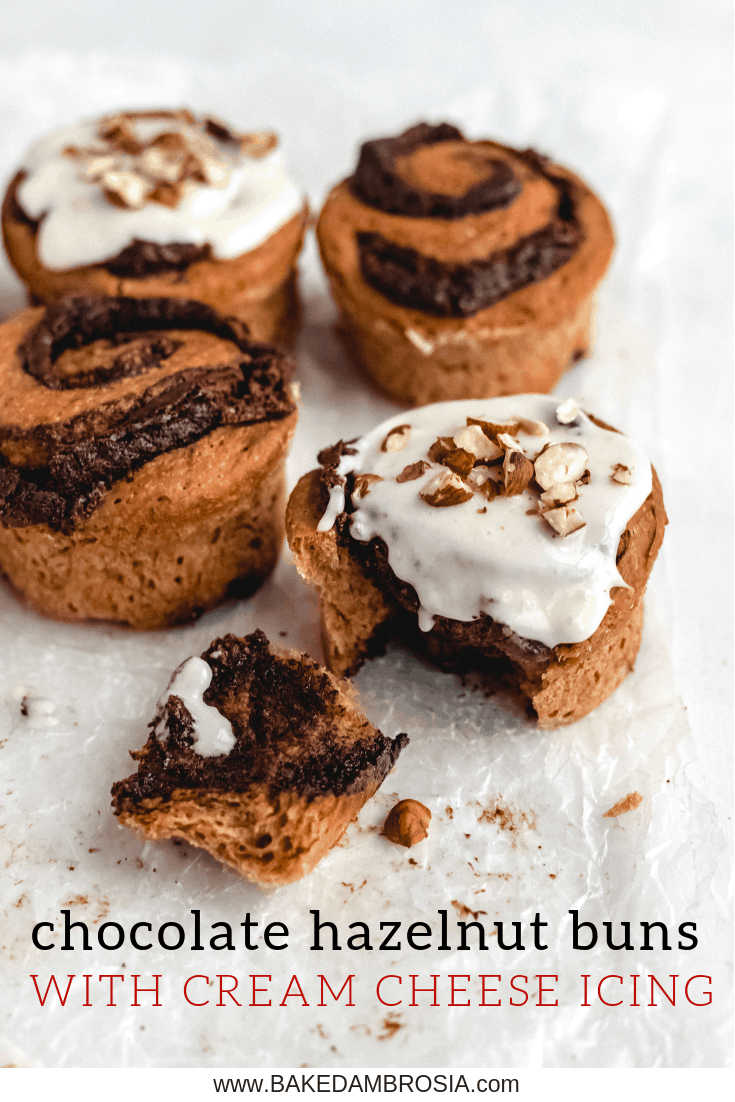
[(193, 526), (357, 615), (522, 344), (353, 609), (228, 824), (259, 287)]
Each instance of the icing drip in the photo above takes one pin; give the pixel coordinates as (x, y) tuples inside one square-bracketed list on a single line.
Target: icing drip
[(212, 733), (498, 555), (241, 201)]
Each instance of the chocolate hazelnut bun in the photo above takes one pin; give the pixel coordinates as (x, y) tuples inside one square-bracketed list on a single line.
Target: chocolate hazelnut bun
[(462, 269), (160, 203), (142, 449), (510, 538), (261, 758)]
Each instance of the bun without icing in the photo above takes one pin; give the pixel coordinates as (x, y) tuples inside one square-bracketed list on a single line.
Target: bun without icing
[(303, 761), (142, 449), (462, 269)]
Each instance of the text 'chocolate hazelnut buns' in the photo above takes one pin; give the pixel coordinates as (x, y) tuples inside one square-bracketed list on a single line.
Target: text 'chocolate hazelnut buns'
[(462, 269), (142, 449), (261, 758), (512, 538), (152, 203)]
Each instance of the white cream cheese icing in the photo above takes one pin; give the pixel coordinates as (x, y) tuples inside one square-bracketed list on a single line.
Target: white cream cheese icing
[(500, 556), (213, 734), (247, 200)]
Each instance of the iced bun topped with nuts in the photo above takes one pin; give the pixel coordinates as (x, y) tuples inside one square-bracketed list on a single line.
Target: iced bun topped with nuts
[(142, 197), (499, 532)]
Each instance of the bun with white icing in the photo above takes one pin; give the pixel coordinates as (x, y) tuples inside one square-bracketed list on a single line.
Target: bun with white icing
[(463, 269), (142, 454), (261, 758), (160, 203), (511, 537)]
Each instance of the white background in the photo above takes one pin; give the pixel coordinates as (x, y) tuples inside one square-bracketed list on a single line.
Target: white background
[(636, 97)]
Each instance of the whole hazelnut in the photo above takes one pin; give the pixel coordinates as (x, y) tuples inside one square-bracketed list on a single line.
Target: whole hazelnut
[(407, 823)]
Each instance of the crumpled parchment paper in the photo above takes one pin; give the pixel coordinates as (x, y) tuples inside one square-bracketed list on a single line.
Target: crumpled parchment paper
[(518, 822)]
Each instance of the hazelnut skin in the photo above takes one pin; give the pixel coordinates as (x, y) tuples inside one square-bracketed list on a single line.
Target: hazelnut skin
[(407, 823)]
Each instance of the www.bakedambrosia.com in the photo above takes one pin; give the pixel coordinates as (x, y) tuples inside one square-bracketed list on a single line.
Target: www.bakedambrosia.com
[(392, 990)]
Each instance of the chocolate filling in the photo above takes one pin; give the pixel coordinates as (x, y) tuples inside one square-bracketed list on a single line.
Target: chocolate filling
[(482, 645), (138, 260), (147, 258), (377, 183), (94, 450), (76, 321), (288, 722), (411, 279)]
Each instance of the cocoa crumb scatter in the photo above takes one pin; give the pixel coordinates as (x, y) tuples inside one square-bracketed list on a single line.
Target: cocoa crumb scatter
[(628, 803)]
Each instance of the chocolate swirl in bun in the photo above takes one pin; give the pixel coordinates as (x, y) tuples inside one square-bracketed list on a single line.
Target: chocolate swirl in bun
[(462, 268), (152, 203), (141, 458), (377, 180), (261, 758)]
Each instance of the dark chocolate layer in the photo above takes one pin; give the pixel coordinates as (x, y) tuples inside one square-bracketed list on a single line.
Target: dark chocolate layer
[(411, 279), (420, 282), (77, 321), (148, 258), (289, 724), (95, 449), (377, 183)]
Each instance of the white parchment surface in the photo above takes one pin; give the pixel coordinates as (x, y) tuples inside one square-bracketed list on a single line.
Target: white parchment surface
[(518, 826)]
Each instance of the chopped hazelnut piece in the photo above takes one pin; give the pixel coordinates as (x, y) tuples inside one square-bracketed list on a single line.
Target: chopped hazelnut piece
[(98, 164), (564, 520), (407, 823), (533, 428), (472, 439), (622, 474), (567, 412), (559, 494), (363, 482), (413, 471), (125, 189), (460, 461), (396, 439), (163, 162), (215, 172), (441, 448), (446, 489), (257, 145), (168, 195), (517, 472), (560, 463), (507, 443), (481, 480), (492, 428), (116, 131)]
